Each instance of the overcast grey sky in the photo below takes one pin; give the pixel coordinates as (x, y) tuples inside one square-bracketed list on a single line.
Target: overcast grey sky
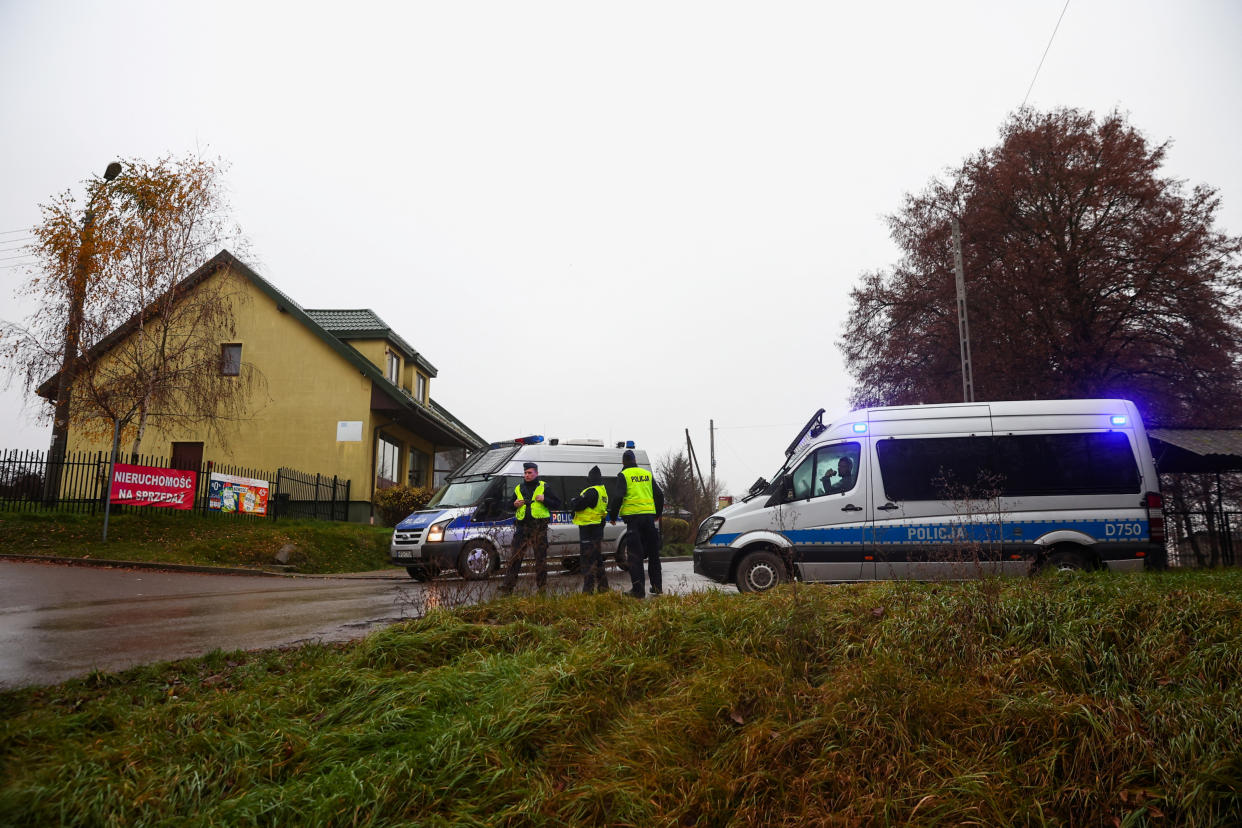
[(615, 221)]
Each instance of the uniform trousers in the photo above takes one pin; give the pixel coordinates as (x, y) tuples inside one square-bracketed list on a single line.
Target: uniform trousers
[(643, 541), (591, 557), (531, 533)]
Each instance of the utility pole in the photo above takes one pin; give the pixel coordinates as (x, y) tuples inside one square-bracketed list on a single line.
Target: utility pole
[(73, 339), (711, 429), (963, 325)]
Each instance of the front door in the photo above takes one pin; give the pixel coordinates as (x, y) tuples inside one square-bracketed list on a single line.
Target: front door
[(187, 456), (827, 519)]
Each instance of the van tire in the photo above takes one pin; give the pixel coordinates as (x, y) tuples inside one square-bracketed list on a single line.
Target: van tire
[(571, 563), (477, 561), (760, 571), (1067, 561), (622, 557), (419, 573)]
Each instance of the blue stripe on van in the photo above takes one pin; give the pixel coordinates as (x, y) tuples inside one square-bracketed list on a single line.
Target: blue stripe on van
[(1105, 530)]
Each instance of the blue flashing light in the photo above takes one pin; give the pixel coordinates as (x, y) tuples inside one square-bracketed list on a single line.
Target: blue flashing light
[(629, 444), (1118, 419), (528, 440), (860, 428)]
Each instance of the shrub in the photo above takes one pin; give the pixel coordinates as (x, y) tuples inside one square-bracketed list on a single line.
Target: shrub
[(675, 530), (394, 503)]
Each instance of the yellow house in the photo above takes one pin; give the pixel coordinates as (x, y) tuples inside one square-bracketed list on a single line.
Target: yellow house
[(343, 395)]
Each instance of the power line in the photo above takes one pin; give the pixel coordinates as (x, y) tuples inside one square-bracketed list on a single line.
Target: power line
[(23, 256), (19, 230), (1046, 48)]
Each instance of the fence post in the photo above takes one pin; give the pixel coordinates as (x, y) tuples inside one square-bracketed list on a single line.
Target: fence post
[(347, 482), (204, 485), (332, 515), (273, 500)]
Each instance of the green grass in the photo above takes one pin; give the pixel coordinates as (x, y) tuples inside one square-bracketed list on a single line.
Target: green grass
[(319, 546), (1093, 700)]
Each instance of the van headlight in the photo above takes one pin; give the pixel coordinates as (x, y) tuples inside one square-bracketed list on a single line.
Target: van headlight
[(435, 534), (708, 529)]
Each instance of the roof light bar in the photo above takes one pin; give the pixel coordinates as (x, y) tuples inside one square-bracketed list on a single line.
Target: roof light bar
[(529, 440), (860, 428), (1118, 419)]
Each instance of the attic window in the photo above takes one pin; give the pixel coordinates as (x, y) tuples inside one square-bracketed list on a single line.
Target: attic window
[(420, 389), (230, 359), (394, 367)]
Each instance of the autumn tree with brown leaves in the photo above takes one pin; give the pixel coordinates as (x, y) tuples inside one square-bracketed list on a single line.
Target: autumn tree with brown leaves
[(1088, 274), (148, 343)]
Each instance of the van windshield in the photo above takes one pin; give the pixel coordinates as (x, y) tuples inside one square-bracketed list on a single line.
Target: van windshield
[(459, 493)]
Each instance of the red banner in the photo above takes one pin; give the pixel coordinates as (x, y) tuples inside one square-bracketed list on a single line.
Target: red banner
[(152, 486)]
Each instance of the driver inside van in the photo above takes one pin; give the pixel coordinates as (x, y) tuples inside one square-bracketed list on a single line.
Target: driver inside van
[(845, 468)]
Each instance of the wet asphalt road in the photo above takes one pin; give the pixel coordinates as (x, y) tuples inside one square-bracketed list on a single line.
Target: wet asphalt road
[(59, 621)]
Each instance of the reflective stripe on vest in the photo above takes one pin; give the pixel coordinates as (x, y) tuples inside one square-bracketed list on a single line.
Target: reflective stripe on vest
[(537, 509), (639, 497), (589, 516)]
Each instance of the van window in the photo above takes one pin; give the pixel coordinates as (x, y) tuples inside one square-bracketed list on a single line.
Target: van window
[(932, 468), (823, 472), (1048, 464), (1021, 465)]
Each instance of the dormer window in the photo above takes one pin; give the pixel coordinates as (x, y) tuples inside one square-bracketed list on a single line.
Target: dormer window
[(420, 388), (394, 367)]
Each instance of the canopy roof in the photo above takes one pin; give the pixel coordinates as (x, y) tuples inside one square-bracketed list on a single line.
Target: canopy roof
[(1196, 449)]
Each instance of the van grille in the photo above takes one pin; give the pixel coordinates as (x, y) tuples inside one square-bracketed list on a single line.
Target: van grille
[(413, 536)]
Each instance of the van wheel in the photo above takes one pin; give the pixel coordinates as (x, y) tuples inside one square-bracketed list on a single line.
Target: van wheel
[(760, 571), (1063, 560), (477, 561), (623, 556), (419, 573), (572, 564)]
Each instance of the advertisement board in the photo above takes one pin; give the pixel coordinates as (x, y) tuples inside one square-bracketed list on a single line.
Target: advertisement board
[(152, 486), (229, 493)]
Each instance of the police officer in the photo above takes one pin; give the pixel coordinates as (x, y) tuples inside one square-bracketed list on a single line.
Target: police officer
[(638, 500), (590, 507), (535, 504)]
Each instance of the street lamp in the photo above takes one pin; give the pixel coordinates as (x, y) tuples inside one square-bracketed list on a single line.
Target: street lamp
[(73, 338)]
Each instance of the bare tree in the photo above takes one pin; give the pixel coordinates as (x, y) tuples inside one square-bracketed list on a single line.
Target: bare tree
[(148, 340), (682, 490)]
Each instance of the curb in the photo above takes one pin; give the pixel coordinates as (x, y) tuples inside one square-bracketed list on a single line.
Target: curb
[(218, 570), (174, 567)]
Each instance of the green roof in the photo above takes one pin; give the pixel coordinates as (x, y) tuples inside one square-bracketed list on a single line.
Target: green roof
[(365, 323)]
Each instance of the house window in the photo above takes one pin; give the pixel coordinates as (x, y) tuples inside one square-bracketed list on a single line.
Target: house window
[(420, 465), (387, 463), (446, 461), (420, 389), (230, 359), (394, 367)]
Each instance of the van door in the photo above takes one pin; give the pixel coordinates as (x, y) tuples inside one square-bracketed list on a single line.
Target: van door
[(825, 516), (937, 507)]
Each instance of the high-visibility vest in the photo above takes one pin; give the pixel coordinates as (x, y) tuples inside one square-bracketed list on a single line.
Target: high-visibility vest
[(639, 496), (589, 516), (537, 509)]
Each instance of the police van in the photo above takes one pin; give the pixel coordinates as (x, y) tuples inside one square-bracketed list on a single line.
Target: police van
[(468, 525), (946, 491)]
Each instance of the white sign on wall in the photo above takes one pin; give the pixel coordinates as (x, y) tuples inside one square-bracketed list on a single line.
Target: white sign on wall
[(349, 431)]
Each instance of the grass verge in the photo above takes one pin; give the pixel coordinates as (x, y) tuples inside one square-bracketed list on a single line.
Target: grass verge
[(220, 540), (1095, 700)]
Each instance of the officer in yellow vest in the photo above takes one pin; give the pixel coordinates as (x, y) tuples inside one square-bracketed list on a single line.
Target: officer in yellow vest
[(534, 503), (590, 507), (639, 500)]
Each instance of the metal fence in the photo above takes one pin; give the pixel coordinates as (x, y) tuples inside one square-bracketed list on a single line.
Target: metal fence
[(78, 482), (1202, 538)]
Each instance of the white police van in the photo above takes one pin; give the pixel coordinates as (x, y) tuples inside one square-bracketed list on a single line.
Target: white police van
[(468, 524), (946, 491)]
